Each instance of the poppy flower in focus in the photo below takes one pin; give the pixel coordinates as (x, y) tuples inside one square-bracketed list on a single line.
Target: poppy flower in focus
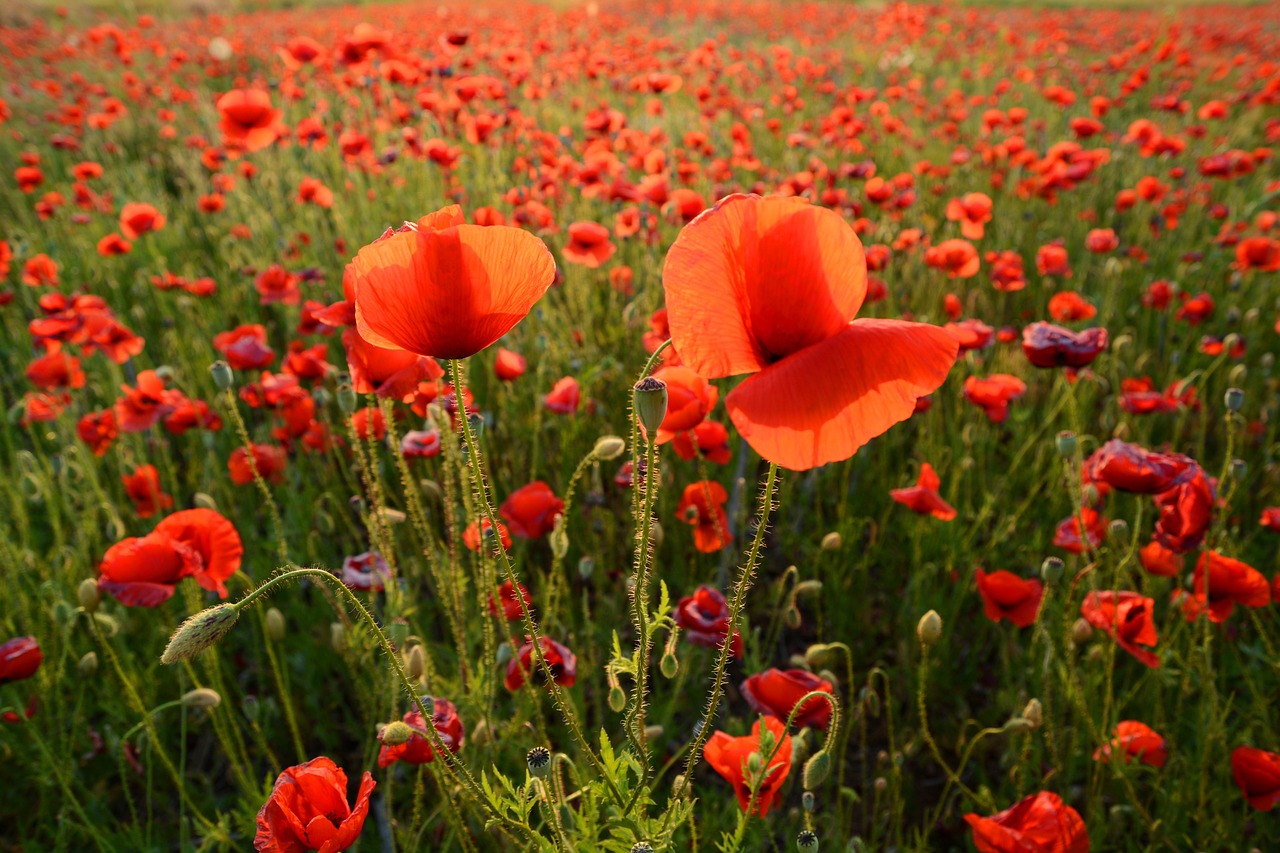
[(770, 287), (702, 505), (729, 756), (393, 373), (1257, 774), (1047, 345), (531, 511), (690, 398), (564, 397), (308, 810), (137, 219), (213, 538), (1223, 582), (1040, 823), (588, 244), (776, 692), (1007, 596), (704, 617), (972, 211), (1128, 618), (417, 749), (524, 664), (511, 609), (445, 289), (143, 489), (509, 366), (994, 393), (20, 658), (923, 497), (471, 536), (248, 121), (1132, 739), (268, 459), (142, 571)]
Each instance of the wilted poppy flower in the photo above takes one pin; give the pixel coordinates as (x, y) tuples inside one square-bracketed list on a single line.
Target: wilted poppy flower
[(704, 617), (776, 692), (417, 749), (923, 497), (308, 810), (143, 571), (524, 664), (1132, 739), (564, 397), (137, 219), (690, 398), (729, 756), (770, 287), (367, 572), (509, 366), (1007, 596), (972, 211), (588, 244), (1046, 345), (143, 489), (268, 460), (1223, 582), (511, 608), (1129, 618), (1159, 560), (1257, 774), (445, 289), (994, 393), (531, 511), (1040, 823), (1131, 468), (1186, 512), (702, 505), (471, 536), (248, 121), (19, 659)]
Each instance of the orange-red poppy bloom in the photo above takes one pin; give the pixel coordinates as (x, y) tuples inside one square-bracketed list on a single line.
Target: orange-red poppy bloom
[(588, 244), (994, 393), (445, 289), (777, 692), (531, 511), (214, 540), (137, 219), (972, 211), (704, 617), (564, 396), (957, 258), (268, 458), (690, 398), (142, 571), (1047, 345), (248, 120), (417, 749), (1131, 468), (523, 665), (1132, 739), (308, 810), (702, 505), (770, 287), (1257, 774), (1127, 617), (1040, 823), (509, 366), (143, 489), (923, 497), (1223, 582), (1008, 596), (728, 756), (471, 536), (1159, 560), (393, 373)]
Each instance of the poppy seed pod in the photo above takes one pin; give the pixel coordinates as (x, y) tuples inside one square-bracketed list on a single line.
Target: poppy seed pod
[(275, 625), (816, 769), (807, 801), (609, 447), (200, 632), (650, 400), (346, 396), (1238, 469), (223, 378), (1066, 443), (1051, 570), (832, 541), (89, 594), (807, 841), (201, 697), (538, 760), (642, 847), (586, 568), (1234, 399), (929, 629)]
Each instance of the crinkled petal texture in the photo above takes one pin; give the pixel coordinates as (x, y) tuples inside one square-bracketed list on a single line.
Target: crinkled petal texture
[(1041, 823), (753, 280), (214, 538), (448, 293), (308, 810), (826, 401)]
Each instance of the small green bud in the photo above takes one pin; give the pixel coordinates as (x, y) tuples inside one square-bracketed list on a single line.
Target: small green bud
[(200, 632), (346, 396), (1234, 399), (617, 698), (504, 654), (807, 589), (609, 447), (669, 665), (807, 801), (832, 541), (1018, 725), (559, 539), (1066, 443), (755, 763), (88, 665), (415, 663), (89, 594), (1051, 570), (201, 697), (539, 761), (807, 841), (396, 733), (275, 625), (650, 400), (1081, 631), (929, 629), (223, 378), (816, 769), (337, 637), (792, 618), (1034, 713)]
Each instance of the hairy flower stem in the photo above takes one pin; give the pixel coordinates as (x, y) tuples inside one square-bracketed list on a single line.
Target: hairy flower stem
[(640, 616), (530, 627)]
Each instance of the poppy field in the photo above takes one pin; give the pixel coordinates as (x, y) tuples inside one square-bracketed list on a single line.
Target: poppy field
[(634, 426)]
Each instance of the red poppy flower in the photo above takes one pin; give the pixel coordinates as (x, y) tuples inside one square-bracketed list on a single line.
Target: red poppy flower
[(704, 617), (445, 289), (971, 334), (588, 244), (564, 397), (524, 664), (417, 749), (245, 347), (1051, 259), (308, 810), (143, 404), (137, 219), (19, 659), (957, 258), (1131, 468), (1129, 618), (471, 536), (511, 609), (143, 571), (1040, 823), (509, 366), (269, 459), (1007, 596), (1271, 518), (98, 430), (393, 373), (215, 541), (728, 756), (1186, 512), (923, 497), (1159, 560), (776, 693), (1229, 582), (1195, 309), (1101, 240), (1069, 307), (994, 393), (770, 287), (143, 489), (276, 285), (1068, 536), (114, 245), (369, 423), (40, 271), (248, 121), (1135, 740), (1258, 253), (690, 398), (531, 511), (709, 438), (313, 191), (702, 505), (55, 370), (1046, 345), (367, 572), (420, 444), (972, 211), (1257, 773)]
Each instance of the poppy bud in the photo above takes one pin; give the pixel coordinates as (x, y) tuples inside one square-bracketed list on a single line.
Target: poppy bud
[(321, 397), (807, 588), (817, 655), (432, 489), (1234, 399), (346, 397), (1091, 496), (504, 654), (1081, 631), (792, 618), (89, 594), (1018, 725), (678, 784), (539, 760), (395, 734), (806, 801), (609, 447), (398, 632), (642, 847), (201, 697), (275, 625), (1066, 443), (653, 732), (88, 664), (816, 769), (108, 624), (337, 637), (655, 534), (929, 629), (222, 375), (200, 632), (755, 762), (1238, 375), (1051, 570), (669, 665), (415, 663), (881, 784), (1033, 713), (832, 541), (204, 501), (807, 841), (870, 701), (650, 400), (1119, 531), (559, 539), (586, 568), (617, 698)]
